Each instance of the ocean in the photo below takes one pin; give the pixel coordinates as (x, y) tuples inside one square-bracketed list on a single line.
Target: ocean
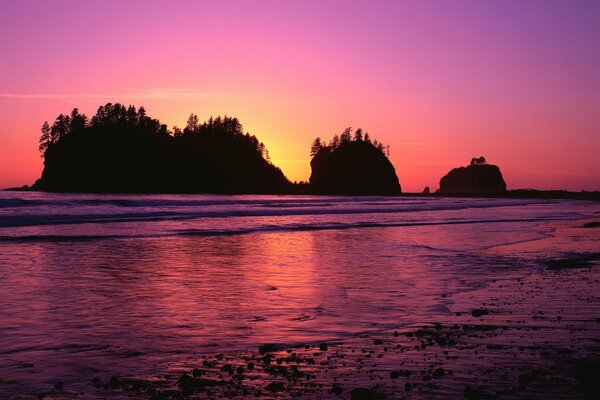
[(131, 285)]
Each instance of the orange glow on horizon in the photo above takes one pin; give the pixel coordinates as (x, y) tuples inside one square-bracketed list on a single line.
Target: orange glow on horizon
[(439, 84)]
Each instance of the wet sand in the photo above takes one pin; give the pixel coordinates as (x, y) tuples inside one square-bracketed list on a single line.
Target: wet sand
[(534, 337)]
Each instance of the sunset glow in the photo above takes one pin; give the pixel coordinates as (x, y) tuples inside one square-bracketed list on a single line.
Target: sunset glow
[(440, 82)]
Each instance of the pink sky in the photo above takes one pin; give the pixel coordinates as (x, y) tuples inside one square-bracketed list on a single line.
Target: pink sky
[(440, 82)]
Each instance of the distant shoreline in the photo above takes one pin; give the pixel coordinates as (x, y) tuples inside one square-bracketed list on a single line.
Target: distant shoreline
[(509, 194)]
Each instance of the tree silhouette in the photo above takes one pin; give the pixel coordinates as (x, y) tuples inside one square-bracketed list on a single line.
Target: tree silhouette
[(478, 161), (192, 124), (315, 147), (77, 122), (358, 135), (346, 136), (335, 141), (45, 138)]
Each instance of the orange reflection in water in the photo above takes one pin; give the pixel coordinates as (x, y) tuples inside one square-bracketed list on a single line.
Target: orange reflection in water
[(140, 304)]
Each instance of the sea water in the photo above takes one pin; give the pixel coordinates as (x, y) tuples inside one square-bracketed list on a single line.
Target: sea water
[(101, 285)]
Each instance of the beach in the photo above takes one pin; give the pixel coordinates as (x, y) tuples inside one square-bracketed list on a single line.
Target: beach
[(309, 298)]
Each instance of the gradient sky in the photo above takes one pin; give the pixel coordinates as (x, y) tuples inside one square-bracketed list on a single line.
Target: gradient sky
[(440, 81)]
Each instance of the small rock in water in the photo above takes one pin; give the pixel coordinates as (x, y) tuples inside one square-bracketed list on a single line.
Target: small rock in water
[(323, 347), (399, 373), (186, 382), (475, 394), (196, 372), (114, 381), (364, 394), (267, 359), (478, 312), (96, 382), (275, 386), (227, 368), (267, 348), (336, 389), (59, 386)]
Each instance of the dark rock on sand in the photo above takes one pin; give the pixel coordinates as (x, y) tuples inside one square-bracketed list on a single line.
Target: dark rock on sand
[(594, 224), (364, 394), (588, 375), (475, 394), (188, 383), (576, 261), (336, 389), (398, 373), (114, 381), (478, 312), (267, 348), (275, 387), (227, 368)]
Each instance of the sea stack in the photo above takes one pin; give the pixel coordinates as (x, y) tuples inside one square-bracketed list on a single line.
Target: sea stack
[(477, 178), (122, 150), (353, 167)]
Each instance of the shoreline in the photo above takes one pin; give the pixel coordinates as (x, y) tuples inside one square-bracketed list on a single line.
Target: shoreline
[(539, 331), (509, 194), (536, 353)]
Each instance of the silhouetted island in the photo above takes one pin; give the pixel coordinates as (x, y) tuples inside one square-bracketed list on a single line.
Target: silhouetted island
[(122, 150), (352, 166), (479, 177)]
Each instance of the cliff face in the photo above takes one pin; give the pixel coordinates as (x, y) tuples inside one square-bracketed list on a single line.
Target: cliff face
[(353, 168), (481, 179)]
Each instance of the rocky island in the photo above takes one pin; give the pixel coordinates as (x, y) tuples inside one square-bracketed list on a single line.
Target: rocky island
[(122, 150), (352, 166), (477, 178)]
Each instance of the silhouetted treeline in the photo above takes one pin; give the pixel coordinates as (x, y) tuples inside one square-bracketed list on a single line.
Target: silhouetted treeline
[(347, 137), (352, 164), (121, 149)]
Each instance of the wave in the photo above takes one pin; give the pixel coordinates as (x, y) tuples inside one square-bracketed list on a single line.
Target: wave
[(96, 211), (263, 229), (148, 201)]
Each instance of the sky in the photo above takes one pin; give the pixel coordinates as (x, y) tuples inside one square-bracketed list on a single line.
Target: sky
[(439, 81)]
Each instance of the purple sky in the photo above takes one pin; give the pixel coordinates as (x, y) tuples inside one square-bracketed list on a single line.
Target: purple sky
[(440, 82)]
